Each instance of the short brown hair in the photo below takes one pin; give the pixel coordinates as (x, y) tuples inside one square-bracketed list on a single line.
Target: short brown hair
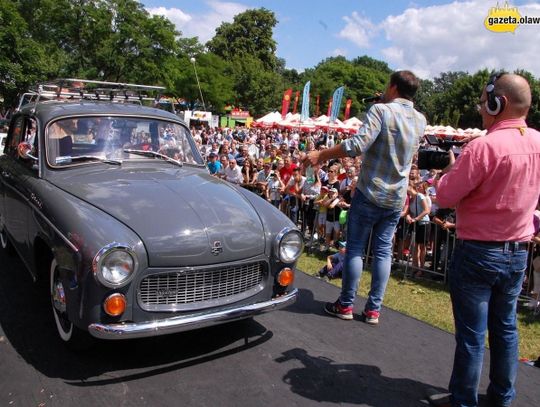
[(406, 82)]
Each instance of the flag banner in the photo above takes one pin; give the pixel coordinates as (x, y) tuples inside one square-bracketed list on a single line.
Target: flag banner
[(329, 108), (336, 103), (305, 102), (347, 109), (286, 102), (317, 107), (296, 97)]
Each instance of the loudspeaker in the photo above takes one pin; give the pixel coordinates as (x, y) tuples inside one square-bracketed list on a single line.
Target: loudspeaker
[(494, 104)]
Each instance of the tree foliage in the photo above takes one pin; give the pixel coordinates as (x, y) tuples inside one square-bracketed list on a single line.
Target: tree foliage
[(249, 35)]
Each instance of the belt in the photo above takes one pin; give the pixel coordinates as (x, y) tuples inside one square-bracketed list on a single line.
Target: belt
[(501, 245)]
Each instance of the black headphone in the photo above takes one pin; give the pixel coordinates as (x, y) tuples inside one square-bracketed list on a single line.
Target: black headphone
[(494, 104)]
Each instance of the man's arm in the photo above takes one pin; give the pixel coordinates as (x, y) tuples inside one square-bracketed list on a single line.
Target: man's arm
[(354, 146), (460, 179)]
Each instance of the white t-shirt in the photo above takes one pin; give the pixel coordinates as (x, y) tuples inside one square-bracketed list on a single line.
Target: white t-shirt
[(233, 175)]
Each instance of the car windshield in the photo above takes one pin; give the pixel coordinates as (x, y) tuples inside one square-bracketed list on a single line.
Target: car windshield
[(107, 139)]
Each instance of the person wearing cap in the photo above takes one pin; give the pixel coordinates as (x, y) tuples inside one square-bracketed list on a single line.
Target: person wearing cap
[(214, 166), (494, 186), (263, 176), (387, 141)]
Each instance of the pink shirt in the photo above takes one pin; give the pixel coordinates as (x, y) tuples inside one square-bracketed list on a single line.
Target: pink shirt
[(495, 184)]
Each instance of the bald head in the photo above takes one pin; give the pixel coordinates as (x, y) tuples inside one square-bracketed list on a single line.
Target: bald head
[(517, 92)]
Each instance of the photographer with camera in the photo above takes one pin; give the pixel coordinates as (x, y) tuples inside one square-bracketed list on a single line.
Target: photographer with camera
[(494, 185), (387, 141)]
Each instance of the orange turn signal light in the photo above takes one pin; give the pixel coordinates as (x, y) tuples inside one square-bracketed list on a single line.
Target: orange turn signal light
[(115, 304), (285, 277)]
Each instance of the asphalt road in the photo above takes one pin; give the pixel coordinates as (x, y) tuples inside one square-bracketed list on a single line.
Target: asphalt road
[(294, 357)]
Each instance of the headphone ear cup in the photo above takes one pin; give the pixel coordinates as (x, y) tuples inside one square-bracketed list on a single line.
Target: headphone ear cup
[(494, 105)]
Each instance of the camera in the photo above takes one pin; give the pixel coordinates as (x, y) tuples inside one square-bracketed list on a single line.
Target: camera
[(435, 159)]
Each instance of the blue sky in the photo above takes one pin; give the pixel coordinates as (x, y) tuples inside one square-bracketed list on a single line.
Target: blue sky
[(427, 37)]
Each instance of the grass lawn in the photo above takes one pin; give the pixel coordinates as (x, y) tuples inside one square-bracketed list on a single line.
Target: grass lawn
[(429, 301)]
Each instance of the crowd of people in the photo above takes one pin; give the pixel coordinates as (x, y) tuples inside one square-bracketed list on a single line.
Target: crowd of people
[(317, 198)]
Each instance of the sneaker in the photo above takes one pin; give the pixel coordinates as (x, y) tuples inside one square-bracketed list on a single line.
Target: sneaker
[(371, 317), (337, 310)]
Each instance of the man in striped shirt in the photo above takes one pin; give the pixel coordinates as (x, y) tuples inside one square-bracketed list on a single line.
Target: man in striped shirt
[(387, 141)]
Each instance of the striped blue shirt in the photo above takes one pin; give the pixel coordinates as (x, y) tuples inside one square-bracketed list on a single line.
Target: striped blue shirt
[(388, 141)]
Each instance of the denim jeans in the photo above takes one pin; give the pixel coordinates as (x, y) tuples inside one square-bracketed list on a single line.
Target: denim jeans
[(363, 217), (485, 282)]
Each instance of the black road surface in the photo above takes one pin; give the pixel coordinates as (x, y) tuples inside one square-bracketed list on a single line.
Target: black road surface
[(294, 357)]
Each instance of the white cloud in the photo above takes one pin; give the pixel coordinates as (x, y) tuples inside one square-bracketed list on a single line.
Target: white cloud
[(358, 29), (204, 25), (452, 37)]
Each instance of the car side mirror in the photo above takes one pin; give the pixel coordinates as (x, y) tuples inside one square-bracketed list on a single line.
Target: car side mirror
[(24, 149)]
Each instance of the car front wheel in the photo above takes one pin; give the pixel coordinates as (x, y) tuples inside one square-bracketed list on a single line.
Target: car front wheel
[(74, 337)]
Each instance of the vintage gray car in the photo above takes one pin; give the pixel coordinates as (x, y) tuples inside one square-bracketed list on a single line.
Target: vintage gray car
[(111, 203)]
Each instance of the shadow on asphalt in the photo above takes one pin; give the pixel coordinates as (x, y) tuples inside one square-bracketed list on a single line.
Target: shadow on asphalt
[(27, 321), (322, 380)]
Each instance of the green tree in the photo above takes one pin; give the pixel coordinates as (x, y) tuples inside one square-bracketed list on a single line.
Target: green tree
[(256, 89), (22, 59), (215, 77), (249, 35), (114, 40)]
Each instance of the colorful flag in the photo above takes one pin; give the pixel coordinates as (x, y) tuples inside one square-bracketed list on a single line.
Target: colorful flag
[(286, 102), (305, 102), (317, 107), (329, 108), (347, 109), (336, 103), (296, 97)]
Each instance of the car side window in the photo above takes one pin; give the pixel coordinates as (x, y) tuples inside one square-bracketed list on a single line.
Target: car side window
[(15, 136), (23, 129)]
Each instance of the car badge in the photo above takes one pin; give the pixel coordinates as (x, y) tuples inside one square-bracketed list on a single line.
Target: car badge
[(217, 248)]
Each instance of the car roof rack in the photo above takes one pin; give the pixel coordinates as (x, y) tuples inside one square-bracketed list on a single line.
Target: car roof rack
[(83, 89)]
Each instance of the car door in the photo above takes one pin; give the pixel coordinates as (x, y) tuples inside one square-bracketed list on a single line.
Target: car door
[(16, 177)]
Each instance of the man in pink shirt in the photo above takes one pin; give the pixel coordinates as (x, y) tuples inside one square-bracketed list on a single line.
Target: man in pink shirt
[(494, 186)]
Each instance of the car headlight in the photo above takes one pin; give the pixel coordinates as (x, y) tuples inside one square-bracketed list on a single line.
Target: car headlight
[(289, 245), (114, 265)]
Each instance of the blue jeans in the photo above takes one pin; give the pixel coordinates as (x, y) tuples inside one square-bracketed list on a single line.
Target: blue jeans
[(485, 282), (363, 217)]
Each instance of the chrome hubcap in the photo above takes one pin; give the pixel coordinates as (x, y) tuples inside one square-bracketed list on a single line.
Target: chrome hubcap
[(59, 297)]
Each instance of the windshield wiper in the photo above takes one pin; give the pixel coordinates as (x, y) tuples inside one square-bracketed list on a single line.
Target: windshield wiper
[(150, 153), (69, 159)]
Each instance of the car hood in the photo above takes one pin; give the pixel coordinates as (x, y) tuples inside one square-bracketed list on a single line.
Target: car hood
[(185, 217)]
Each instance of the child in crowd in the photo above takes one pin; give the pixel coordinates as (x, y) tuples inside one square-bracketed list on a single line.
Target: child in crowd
[(334, 263), (274, 189), (332, 217), (321, 220)]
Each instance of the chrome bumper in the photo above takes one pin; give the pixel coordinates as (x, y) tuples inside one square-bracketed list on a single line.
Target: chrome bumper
[(188, 322)]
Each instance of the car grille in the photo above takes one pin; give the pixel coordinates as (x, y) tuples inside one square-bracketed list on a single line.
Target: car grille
[(200, 288)]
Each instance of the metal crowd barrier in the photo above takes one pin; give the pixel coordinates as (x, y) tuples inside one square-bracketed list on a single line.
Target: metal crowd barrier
[(439, 246)]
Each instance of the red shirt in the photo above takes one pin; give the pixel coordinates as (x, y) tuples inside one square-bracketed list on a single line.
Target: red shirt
[(286, 173), (495, 184)]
